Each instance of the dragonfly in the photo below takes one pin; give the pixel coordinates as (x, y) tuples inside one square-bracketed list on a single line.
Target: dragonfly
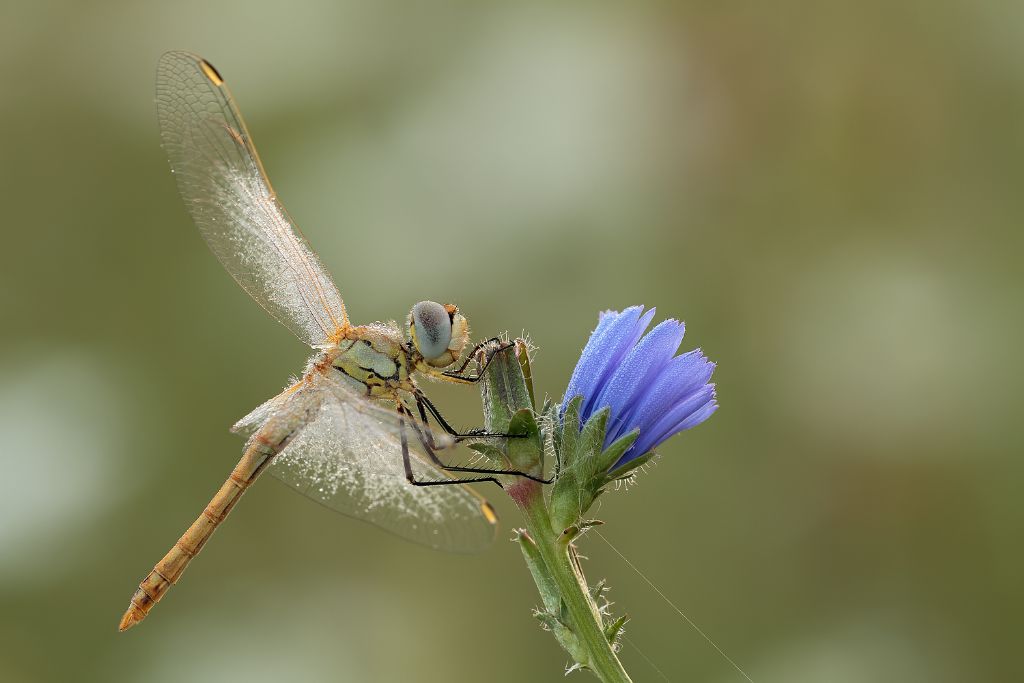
[(352, 432)]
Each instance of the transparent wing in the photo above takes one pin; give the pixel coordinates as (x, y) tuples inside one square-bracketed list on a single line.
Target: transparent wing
[(281, 412), (226, 190), (348, 457)]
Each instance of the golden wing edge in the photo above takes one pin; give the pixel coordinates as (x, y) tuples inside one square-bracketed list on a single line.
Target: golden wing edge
[(243, 138)]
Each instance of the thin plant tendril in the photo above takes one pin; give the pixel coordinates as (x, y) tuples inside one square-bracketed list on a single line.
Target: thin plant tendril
[(645, 657), (673, 606)]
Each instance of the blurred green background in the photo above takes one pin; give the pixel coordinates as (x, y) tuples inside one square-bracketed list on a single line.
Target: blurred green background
[(827, 193)]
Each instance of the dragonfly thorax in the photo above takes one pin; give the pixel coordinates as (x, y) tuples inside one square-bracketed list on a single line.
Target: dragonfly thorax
[(374, 356)]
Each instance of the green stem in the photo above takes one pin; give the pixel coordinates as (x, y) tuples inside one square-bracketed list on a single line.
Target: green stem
[(572, 587), (509, 408)]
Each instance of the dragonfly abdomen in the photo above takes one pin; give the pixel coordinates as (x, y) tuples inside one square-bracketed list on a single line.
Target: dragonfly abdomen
[(169, 569)]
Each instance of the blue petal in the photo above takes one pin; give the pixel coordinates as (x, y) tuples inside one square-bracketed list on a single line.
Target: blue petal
[(625, 339), (636, 373), (608, 343), (582, 378), (683, 375), (681, 416), (637, 378), (699, 416)]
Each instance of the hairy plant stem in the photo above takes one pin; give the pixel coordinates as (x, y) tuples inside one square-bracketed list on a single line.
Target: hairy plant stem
[(569, 609), (563, 572)]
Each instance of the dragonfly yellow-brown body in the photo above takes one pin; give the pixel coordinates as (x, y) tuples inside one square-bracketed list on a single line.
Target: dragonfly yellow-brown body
[(340, 434), (372, 360), (168, 570)]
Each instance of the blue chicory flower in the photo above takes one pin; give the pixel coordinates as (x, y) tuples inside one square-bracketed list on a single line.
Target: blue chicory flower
[(641, 380)]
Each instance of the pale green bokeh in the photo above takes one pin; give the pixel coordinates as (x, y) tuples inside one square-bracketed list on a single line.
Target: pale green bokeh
[(828, 194)]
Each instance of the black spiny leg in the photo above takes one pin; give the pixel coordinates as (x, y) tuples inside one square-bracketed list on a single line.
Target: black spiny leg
[(422, 401), (407, 462), (458, 374), (427, 441)]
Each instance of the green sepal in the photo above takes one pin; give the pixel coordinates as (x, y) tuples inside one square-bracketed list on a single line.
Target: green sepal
[(525, 452), (504, 390), (611, 455), (524, 364), (566, 503), (627, 470), (593, 433), (550, 429), (584, 465), (569, 433), (579, 481), (508, 409)]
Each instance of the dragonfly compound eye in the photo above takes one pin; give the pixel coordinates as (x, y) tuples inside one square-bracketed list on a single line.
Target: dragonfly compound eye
[(431, 329)]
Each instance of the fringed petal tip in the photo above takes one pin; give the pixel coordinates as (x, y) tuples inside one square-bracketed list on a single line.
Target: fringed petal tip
[(612, 338)]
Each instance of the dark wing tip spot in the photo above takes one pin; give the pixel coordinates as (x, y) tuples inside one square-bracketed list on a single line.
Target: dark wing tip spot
[(211, 72)]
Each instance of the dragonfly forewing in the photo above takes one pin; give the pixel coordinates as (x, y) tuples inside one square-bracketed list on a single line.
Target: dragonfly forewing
[(226, 191)]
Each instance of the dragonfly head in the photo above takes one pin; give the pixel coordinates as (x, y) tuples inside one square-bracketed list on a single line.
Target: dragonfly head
[(439, 333)]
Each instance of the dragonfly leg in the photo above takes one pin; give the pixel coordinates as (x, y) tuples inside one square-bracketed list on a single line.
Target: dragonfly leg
[(422, 401), (407, 462), (459, 375), (472, 354), (428, 447)]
